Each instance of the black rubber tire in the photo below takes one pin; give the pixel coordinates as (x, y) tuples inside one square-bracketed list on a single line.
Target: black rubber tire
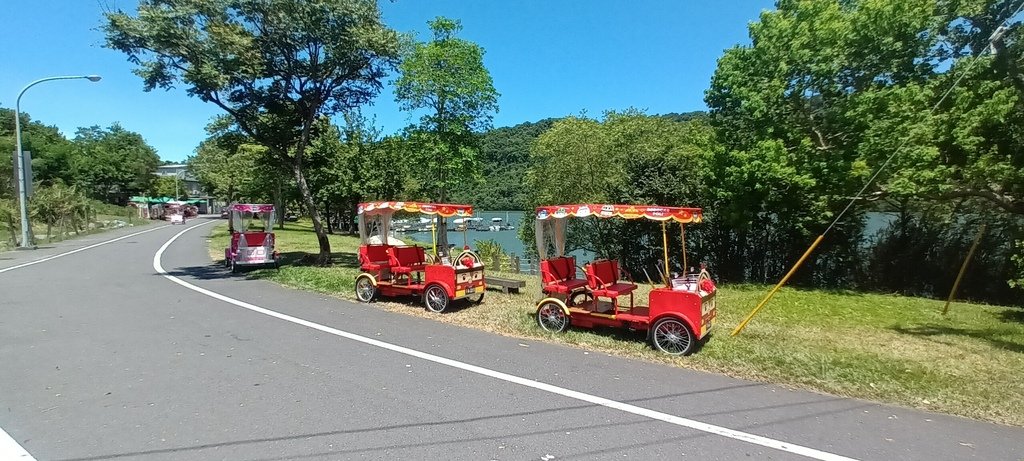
[(366, 291), (435, 299), (551, 317), (671, 336)]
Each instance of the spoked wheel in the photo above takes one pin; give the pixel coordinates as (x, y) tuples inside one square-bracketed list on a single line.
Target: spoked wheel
[(478, 299), (552, 318), (435, 298), (672, 337), (366, 291)]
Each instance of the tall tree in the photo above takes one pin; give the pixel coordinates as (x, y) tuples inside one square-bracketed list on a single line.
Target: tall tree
[(113, 163), (829, 89), (275, 66), (447, 78)]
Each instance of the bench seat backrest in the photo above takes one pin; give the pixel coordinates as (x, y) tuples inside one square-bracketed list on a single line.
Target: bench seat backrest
[(602, 273), (558, 269)]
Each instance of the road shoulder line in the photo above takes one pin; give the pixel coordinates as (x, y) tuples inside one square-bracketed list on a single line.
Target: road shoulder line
[(625, 407)]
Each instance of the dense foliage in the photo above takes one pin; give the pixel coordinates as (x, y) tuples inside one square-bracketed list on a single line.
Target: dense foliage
[(71, 176), (274, 66), (447, 79)]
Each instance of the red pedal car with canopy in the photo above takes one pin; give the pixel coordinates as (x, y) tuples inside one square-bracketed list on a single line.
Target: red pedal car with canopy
[(252, 236), (678, 314), (392, 268)]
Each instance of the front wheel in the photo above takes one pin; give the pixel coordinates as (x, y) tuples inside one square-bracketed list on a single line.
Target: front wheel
[(552, 318), (478, 299), (672, 336), (366, 291), (436, 299)]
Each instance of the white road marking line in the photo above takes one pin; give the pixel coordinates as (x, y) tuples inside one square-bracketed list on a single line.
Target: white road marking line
[(633, 409), (48, 258), (10, 449)]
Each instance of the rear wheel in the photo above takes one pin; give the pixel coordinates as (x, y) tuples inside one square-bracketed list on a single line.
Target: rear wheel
[(436, 299), (552, 318), (672, 336), (366, 291)]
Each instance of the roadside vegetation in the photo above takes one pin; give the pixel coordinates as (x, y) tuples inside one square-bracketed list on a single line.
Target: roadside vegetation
[(59, 212), (80, 185), (887, 348)]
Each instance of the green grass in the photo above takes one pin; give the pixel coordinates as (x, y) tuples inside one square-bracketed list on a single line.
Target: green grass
[(891, 349), (103, 213)]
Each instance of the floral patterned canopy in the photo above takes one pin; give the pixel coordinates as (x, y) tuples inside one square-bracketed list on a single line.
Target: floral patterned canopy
[(653, 212), (251, 208), (446, 210)]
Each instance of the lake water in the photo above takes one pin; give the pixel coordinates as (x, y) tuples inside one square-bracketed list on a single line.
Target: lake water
[(509, 239)]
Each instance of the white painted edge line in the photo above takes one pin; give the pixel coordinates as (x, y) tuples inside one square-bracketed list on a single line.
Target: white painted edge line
[(49, 258), (633, 409), (10, 449)]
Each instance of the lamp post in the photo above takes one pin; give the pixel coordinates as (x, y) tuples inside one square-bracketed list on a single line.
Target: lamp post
[(23, 192)]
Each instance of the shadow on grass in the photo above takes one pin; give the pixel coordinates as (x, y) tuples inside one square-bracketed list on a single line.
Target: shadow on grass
[(989, 335), (1012, 315), (302, 258)]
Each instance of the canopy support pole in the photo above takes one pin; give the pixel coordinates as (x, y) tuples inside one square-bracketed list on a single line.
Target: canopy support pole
[(682, 230), (664, 241), (963, 269), (782, 282), (433, 237)]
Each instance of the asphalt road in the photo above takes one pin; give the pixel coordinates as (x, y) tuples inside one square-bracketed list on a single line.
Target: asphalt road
[(102, 357)]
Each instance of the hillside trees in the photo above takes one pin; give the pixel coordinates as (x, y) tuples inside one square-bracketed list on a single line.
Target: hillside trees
[(504, 157), (275, 66), (445, 77), (626, 157), (829, 89)]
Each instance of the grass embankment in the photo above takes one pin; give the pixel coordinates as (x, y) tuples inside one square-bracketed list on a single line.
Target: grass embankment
[(887, 348), (103, 217)]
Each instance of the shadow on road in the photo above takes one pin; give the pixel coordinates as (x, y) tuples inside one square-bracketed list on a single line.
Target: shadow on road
[(212, 271), (454, 423)]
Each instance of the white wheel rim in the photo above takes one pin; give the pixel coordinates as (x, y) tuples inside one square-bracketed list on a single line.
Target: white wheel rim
[(437, 299)]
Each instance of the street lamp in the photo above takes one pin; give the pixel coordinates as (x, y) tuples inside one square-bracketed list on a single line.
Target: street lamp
[(23, 193)]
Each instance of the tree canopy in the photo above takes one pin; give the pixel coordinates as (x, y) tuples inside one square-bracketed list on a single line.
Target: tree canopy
[(447, 78), (275, 66)]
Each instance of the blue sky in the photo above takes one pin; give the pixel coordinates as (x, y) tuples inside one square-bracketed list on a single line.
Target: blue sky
[(547, 58)]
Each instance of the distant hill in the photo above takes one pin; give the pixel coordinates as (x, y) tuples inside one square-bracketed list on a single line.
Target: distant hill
[(505, 158)]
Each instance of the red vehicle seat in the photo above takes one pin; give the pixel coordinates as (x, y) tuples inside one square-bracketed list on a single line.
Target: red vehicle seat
[(603, 279), (559, 275), (407, 259), (374, 257)]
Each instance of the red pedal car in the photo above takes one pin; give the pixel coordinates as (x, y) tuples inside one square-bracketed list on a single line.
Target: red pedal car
[(392, 269), (677, 315)]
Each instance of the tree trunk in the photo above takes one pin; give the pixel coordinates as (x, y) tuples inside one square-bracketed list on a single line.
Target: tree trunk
[(327, 216), (279, 205), (442, 237), (324, 258)]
